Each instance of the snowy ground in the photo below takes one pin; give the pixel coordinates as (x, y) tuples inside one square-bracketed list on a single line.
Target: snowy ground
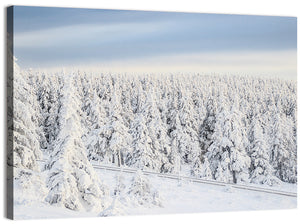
[(176, 197)]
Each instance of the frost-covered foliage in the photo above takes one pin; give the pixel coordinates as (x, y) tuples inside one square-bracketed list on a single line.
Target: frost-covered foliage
[(72, 181), (26, 149), (131, 192), (48, 95), (261, 169), (142, 191), (29, 187), (227, 154), (25, 124), (166, 122)]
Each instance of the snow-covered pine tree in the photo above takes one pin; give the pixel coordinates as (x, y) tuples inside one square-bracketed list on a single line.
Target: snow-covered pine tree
[(283, 156), (95, 138), (26, 146), (160, 142), (261, 171), (28, 184), (205, 171), (289, 172), (138, 97), (208, 126), (72, 181), (190, 128), (201, 167), (142, 191), (126, 93), (48, 95), (141, 154), (119, 139), (89, 102), (227, 154), (143, 130), (240, 160)]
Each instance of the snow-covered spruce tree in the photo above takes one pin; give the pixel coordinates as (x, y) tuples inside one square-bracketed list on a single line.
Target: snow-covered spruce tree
[(188, 122), (261, 171), (184, 141), (150, 141), (26, 139), (160, 142), (126, 93), (142, 191), (95, 138), (138, 97), (143, 155), (208, 126), (289, 174), (119, 139), (186, 131), (283, 149), (72, 181), (88, 101), (94, 108), (165, 104), (180, 140), (205, 171), (28, 183), (201, 168), (227, 154), (119, 199), (48, 95)]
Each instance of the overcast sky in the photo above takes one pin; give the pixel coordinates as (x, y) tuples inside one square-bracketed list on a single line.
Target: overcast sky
[(141, 41)]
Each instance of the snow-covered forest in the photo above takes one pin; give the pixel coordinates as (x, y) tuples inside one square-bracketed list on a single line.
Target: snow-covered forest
[(233, 129)]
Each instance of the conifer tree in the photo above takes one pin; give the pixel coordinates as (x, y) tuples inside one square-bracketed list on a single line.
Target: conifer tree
[(72, 181), (26, 146), (227, 152), (261, 170)]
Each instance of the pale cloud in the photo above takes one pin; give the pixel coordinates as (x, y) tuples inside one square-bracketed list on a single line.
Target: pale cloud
[(267, 63), (279, 64), (81, 34)]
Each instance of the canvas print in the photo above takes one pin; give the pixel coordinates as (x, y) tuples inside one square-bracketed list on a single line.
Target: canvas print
[(119, 112)]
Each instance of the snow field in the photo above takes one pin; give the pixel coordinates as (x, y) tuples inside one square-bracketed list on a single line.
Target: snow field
[(176, 196)]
